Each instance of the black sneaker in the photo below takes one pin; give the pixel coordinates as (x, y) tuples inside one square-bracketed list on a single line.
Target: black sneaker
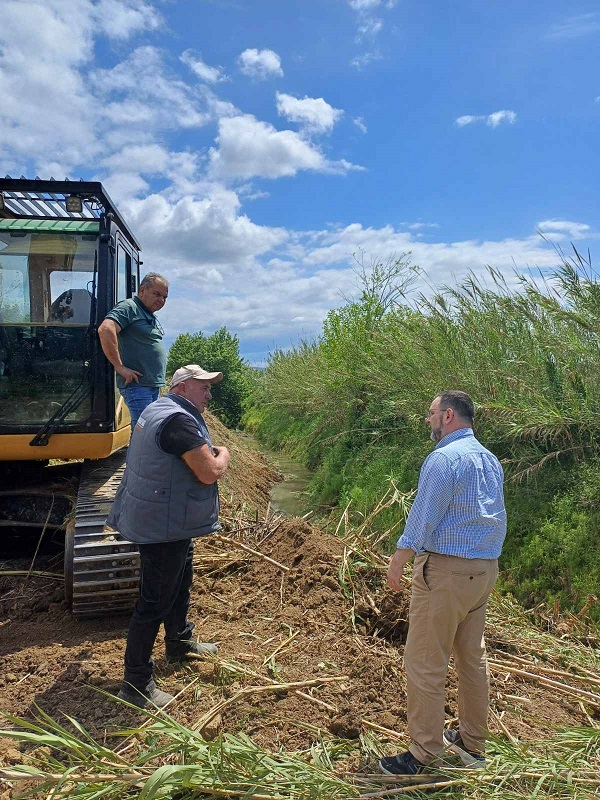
[(402, 764), (456, 745), (151, 697), (193, 650)]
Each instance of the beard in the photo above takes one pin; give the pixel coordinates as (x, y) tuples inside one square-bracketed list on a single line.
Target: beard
[(436, 434)]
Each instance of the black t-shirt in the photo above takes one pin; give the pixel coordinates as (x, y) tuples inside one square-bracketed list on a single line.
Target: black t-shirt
[(179, 435)]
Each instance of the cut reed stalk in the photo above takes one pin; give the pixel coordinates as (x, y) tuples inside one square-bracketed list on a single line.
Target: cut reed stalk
[(257, 553), (574, 691), (249, 690)]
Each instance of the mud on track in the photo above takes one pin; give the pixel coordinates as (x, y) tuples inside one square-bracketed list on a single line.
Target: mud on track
[(274, 626)]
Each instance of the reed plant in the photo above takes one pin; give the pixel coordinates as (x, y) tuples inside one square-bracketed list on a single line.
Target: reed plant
[(352, 404), (172, 761), (168, 760)]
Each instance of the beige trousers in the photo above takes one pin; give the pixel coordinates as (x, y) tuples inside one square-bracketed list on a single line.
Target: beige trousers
[(447, 615)]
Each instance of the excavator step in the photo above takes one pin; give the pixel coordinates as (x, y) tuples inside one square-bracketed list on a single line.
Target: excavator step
[(102, 569)]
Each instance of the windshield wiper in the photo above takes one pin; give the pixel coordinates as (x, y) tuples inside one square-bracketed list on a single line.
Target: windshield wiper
[(72, 402)]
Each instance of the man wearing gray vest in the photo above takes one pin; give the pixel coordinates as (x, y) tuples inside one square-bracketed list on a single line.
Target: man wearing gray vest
[(167, 498)]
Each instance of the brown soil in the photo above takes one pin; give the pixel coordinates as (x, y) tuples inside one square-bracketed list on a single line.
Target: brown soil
[(281, 626), (248, 480)]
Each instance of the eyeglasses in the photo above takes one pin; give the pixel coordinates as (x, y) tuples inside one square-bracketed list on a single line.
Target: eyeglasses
[(437, 411)]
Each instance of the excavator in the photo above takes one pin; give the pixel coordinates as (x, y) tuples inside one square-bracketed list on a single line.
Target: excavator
[(66, 258)]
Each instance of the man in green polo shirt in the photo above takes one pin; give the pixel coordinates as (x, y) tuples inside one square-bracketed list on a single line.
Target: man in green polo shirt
[(131, 338)]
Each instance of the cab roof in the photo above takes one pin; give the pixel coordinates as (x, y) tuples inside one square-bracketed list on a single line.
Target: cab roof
[(38, 199)]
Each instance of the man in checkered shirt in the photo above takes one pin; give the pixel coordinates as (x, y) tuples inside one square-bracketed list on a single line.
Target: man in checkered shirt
[(455, 531)]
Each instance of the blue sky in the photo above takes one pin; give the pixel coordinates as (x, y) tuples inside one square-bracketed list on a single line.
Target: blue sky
[(254, 147)]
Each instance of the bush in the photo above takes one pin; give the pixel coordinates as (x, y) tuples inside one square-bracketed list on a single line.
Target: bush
[(560, 555)]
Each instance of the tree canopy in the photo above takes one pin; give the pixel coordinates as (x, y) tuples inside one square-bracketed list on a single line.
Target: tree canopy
[(219, 352)]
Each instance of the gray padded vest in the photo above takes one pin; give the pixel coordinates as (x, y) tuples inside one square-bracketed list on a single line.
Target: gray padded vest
[(160, 499)]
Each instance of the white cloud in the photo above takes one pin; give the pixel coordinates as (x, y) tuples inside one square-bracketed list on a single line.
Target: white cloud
[(43, 47), (575, 27), (312, 112), (417, 226), (360, 124), (491, 120), (364, 5), (125, 170), (560, 230), (498, 117), (202, 70), (107, 120), (260, 64), (124, 184), (368, 28), (362, 61), (307, 273), (122, 18), (57, 115), (167, 102), (440, 260), (248, 147), (247, 192), (148, 159), (117, 121), (191, 235)]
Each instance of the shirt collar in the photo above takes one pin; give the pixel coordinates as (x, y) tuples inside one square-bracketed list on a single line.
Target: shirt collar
[(137, 300), (185, 404), (461, 433)]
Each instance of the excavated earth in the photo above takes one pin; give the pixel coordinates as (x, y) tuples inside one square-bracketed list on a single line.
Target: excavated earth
[(273, 625)]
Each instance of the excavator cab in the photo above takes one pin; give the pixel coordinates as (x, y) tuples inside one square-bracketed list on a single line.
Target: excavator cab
[(66, 258), (61, 271)]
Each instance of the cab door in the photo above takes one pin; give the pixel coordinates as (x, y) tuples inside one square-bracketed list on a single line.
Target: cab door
[(126, 283)]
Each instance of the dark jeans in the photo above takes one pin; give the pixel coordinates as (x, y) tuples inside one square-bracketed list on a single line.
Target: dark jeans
[(166, 579)]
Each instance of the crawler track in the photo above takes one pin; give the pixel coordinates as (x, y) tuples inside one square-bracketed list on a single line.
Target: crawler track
[(35, 497), (101, 568)]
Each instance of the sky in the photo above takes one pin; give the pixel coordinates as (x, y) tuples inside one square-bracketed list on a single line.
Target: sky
[(258, 149)]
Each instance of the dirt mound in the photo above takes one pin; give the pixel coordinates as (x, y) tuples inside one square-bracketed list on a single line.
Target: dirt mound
[(310, 640), (249, 477)]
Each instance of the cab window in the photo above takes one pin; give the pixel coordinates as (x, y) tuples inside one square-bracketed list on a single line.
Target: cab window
[(123, 274)]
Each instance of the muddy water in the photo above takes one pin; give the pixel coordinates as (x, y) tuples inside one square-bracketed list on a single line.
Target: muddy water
[(288, 496)]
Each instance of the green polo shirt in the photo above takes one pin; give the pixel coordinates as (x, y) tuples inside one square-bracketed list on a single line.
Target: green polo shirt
[(140, 342)]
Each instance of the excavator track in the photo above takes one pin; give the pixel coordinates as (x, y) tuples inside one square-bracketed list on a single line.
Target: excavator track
[(36, 498), (102, 569)]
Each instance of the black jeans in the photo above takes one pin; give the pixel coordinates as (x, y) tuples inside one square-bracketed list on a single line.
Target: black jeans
[(165, 583)]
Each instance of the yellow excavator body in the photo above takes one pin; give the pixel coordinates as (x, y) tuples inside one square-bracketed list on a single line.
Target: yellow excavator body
[(66, 258)]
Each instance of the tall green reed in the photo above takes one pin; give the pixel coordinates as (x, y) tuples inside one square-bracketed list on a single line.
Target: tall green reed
[(352, 402)]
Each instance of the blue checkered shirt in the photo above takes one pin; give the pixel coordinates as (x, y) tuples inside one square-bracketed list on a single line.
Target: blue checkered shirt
[(459, 507)]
